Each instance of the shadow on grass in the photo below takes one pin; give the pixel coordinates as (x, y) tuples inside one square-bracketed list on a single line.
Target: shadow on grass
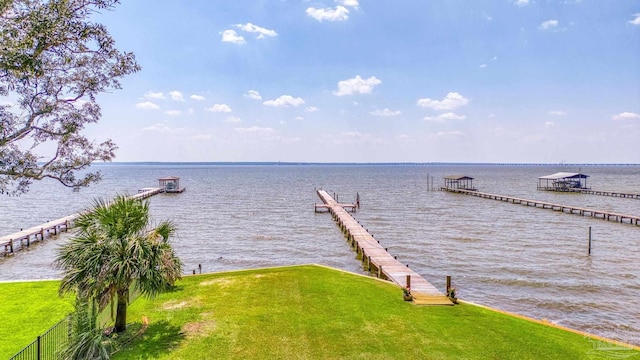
[(159, 339)]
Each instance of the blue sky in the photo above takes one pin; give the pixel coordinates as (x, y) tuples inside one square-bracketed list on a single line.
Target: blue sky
[(377, 81)]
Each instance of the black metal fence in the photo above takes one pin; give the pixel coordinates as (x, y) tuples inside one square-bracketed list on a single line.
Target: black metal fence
[(48, 345)]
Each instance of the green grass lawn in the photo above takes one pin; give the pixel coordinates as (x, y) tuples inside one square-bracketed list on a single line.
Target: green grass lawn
[(28, 309), (311, 312)]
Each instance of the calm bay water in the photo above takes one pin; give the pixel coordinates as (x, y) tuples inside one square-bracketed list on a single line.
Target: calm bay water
[(521, 259)]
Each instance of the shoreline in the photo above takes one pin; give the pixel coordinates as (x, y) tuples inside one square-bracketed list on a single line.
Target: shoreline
[(622, 345)]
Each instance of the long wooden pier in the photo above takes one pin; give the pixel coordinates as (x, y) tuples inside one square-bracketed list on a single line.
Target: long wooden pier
[(599, 214), (608, 193), (17, 240), (377, 260)]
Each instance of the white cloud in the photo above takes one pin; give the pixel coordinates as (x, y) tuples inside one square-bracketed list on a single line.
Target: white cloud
[(549, 124), (299, 118), (232, 37), (357, 85), (521, 2), (219, 108), (626, 116), (253, 94), (449, 134), (386, 112), (354, 137), (154, 95), (233, 119), (147, 105), (557, 113), (339, 13), (256, 129), (452, 101), (445, 117), (349, 3), (285, 100), (635, 21), (482, 66), (310, 109), (197, 97), (173, 112), (176, 95), (262, 32), (163, 128), (549, 25)]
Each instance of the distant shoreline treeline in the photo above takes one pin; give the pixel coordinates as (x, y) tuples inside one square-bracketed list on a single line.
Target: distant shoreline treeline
[(272, 163)]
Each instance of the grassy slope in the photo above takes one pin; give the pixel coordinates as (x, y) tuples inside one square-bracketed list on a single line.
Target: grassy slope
[(316, 313), (28, 309)]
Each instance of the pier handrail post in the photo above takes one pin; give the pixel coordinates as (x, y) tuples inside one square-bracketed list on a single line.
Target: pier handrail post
[(448, 283), (408, 281)]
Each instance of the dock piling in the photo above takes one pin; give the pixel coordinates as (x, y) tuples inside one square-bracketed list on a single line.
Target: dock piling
[(589, 253)]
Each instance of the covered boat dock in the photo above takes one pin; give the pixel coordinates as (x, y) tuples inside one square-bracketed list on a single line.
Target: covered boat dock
[(563, 181), (461, 182)]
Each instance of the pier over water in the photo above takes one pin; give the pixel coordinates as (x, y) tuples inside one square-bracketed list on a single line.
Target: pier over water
[(376, 258), (600, 214), (25, 237)]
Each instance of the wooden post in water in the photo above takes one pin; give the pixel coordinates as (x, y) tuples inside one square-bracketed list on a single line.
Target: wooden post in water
[(408, 281), (448, 284), (589, 253)]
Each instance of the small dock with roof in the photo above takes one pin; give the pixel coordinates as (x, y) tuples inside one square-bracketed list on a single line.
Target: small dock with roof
[(563, 181), (461, 182), (170, 184), (576, 183)]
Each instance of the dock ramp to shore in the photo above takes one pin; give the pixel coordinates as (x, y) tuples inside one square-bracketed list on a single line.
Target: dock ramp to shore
[(377, 260)]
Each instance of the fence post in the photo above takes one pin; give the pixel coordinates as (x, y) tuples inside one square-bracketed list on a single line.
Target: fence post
[(38, 351)]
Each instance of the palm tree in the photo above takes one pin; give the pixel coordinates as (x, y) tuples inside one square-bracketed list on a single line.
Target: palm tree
[(115, 248)]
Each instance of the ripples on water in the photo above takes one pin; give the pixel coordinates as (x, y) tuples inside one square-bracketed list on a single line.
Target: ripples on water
[(517, 258)]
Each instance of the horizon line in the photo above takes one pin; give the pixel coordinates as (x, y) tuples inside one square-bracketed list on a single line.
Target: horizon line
[(437, 163)]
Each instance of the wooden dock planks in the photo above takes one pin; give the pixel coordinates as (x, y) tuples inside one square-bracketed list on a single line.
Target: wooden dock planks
[(608, 193), (378, 260), (599, 214), (37, 233)]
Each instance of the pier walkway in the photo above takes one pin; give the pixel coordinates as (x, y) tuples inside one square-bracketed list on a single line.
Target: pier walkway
[(599, 214), (377, 260), (15, 241), (607, 193)]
